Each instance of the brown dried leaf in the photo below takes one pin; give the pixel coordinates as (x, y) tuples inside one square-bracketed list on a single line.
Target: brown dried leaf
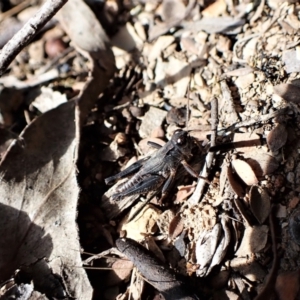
[(254, 240), (39, 195), (39, 190), (277, 137), (245, 172), (260, 203), (261, 162), (143, 224), (287, 285), (288, 92), (234, 183), (184, 192), (176, 227)]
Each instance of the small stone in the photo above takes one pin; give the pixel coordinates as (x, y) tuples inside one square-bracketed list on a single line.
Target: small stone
[(291, 61), (279, 181), (153, 118), (294, 202), (243, 82), (290, 177), (281, 211), (54, 47)]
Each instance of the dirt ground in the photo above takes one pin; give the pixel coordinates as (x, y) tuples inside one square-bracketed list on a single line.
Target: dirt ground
[(201, 99)]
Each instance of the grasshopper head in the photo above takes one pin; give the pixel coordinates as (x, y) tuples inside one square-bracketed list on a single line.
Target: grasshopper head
[(183, 142)]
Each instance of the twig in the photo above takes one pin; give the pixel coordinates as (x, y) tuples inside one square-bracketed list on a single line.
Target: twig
[(195, 198), (156, 273), (252, 121), (29, 30)]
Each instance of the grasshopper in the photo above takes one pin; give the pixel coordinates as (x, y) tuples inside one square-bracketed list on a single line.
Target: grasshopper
[(157, 172)]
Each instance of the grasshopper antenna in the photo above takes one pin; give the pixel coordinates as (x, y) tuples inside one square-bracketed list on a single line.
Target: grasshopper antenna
[(188, 101)]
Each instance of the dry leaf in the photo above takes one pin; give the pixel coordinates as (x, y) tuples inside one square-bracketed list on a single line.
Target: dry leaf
[(39, 196), (254, 240), (38, 182), (143, 224), (221, 250), (176, 227), (288, 92), (260, 203), (234, 183), (206, 246), (261, 162), (287, 285), (245, 172), (249, 268), (184, 192), (277, 137)]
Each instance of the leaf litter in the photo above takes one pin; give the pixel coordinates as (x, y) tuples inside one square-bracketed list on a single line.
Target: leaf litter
[(242, 54)]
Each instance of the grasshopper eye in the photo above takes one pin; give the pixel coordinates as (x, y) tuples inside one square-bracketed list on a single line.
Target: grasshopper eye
[(181, 140), (180, 137)]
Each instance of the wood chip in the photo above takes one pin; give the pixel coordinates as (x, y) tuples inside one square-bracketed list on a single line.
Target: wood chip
[(153, 118)]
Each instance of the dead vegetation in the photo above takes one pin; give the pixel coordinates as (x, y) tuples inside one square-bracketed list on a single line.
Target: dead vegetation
[(83, 100)]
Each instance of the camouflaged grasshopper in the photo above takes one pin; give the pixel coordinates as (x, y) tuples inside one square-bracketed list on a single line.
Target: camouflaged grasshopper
[(157, 172)]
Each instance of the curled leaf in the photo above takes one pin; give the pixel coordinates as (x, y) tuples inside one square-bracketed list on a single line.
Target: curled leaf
[(176, 227), (277, 137), (288, 92), (245, 172), (235, 183), (260, 203), (262, 163)]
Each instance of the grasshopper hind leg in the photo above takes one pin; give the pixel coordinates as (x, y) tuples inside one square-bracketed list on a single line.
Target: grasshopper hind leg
[(148, 184), (127, 172)]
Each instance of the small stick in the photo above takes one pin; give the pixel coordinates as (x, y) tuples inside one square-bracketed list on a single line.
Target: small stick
[(195, 198), (22, 38)]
